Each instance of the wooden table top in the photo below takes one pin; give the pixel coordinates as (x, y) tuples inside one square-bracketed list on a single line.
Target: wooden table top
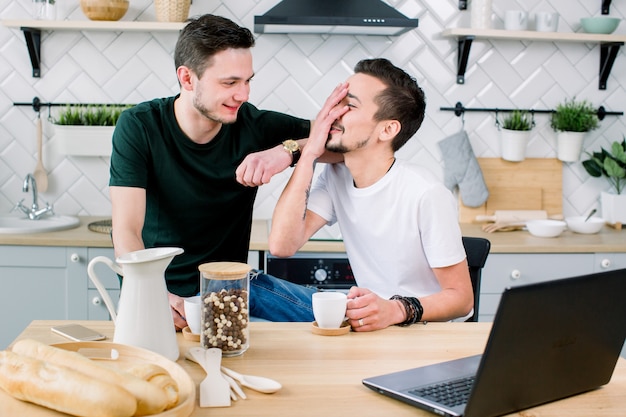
[(321, 375)]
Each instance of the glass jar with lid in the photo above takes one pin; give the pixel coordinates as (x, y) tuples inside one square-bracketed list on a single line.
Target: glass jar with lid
[(224, 291)]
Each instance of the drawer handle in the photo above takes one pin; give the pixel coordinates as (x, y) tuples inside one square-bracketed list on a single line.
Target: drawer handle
[(516, 274), (605, 263), (75, 257)]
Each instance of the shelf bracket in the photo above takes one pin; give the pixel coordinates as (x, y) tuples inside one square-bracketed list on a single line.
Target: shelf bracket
[(462, 4), (33, 43), (608, 53), (606, 6), (465, 44)]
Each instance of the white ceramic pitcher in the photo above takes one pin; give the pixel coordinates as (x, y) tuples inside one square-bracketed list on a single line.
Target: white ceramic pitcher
[(144, 317)]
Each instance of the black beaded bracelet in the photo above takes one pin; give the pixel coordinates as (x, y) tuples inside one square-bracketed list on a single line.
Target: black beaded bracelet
[(413, 308)]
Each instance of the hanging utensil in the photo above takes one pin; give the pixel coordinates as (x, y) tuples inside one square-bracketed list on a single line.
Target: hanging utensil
[(41, 178)]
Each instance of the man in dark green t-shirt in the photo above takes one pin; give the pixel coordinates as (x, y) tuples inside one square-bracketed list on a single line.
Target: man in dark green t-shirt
[(184, 169)]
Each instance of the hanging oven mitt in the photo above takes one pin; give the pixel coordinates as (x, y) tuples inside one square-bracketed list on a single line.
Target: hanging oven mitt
[(461, 168)]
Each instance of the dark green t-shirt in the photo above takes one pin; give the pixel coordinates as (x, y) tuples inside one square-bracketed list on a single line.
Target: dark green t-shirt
[(192, 198)]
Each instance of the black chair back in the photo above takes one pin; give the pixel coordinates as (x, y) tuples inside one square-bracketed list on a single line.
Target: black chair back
[(476, 249)]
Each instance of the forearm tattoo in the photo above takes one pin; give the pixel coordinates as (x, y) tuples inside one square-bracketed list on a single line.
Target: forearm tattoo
[(307, 192)]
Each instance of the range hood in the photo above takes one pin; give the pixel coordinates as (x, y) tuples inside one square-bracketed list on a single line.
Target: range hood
[(342, 17)]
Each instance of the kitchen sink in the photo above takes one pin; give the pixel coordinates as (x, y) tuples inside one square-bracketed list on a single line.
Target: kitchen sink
[(17, 223)]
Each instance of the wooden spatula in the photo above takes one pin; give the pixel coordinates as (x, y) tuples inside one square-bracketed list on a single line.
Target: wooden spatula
[(41, 178), (214, 389)]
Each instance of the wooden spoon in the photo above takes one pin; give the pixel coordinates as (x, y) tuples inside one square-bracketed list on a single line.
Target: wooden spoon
[(40, 173)]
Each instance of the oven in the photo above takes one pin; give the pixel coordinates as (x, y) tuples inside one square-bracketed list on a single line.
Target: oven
[(325, 271)]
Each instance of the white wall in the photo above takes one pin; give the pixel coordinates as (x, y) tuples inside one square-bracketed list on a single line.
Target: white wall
[(294, 74)]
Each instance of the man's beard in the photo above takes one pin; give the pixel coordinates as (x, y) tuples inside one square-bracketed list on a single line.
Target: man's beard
[(341, 148), (209, 115)]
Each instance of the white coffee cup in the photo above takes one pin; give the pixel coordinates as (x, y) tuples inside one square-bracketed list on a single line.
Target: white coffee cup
[(329, 309), (546, 21), (515, 20), (192, 313)]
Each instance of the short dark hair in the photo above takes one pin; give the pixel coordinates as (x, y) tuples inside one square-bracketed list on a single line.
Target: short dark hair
[(403, 100), (205, 36)]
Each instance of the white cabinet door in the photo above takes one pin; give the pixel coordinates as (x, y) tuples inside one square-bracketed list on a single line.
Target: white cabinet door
[(507, 270), (609, 261), (35, 286)]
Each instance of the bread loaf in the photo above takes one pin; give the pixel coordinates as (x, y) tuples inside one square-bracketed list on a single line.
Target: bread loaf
[(62, 389), (150, 398), (158, 376)]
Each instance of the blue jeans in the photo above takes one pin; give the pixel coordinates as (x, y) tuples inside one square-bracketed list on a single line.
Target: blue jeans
[(275, 299)]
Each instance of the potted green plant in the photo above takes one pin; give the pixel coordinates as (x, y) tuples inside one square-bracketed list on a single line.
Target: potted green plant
[(514, 135), (86, 130), (612, 165), (571, 120)]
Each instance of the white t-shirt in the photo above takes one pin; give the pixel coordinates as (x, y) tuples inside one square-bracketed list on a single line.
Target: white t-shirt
[(395, 230)]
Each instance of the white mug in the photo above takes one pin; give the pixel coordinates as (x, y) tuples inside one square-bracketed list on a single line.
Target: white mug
[(546, 21), (192, 313), (329, 309), (515, 20)]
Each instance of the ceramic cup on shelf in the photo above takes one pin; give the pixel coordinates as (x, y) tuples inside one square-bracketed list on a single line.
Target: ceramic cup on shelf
[(546, 21), (480, 14), (329, 308), (515, 20)]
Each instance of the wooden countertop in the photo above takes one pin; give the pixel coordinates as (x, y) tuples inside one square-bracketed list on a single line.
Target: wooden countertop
[(608, 240), (321, 375)]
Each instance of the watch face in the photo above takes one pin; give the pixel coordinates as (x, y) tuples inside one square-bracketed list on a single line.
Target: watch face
[(291, 145)]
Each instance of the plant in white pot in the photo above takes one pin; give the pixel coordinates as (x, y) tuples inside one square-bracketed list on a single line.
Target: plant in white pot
[(514, 135), (86, 130), (612, 165), (572, 120)]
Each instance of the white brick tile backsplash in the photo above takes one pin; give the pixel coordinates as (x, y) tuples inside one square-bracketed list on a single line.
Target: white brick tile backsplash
[(295, 73)]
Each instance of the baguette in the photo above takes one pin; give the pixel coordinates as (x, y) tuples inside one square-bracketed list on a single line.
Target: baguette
[(158, 376), (149, 398), (62, 389)]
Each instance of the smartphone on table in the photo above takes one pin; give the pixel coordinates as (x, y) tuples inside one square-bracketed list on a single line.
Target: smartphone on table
[(78, 333)]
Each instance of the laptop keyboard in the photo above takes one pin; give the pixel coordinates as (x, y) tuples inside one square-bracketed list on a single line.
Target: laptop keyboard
[(449, 393)]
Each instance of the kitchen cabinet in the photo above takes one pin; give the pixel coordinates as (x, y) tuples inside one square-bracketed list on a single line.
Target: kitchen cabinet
[(50, 282), (609, 45), (507, 270)]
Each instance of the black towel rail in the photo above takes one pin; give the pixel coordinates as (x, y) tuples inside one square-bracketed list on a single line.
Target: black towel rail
[(459, 110), (37, 104)]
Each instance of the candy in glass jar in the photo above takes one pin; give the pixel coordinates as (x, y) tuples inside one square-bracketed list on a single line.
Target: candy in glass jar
[(224, 293)]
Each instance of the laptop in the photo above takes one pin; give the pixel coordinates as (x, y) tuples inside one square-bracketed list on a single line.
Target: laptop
[(549, 340)]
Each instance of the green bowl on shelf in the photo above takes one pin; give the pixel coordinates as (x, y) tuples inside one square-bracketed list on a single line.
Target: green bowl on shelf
[(600, 24)]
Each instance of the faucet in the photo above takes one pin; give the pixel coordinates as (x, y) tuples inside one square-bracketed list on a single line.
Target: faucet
[(34, 213)]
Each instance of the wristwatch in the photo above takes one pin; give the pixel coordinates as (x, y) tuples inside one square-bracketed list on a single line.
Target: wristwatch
[(293, 148)]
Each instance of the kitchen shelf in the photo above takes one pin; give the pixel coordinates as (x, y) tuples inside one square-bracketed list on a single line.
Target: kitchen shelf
[(606, 5), (609, 45), (32, 31)]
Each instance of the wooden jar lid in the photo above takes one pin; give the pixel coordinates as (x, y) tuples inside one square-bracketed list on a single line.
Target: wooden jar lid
[(225, 270)]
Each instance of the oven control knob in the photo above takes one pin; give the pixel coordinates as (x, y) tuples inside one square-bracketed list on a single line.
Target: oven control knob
[(321, 275)]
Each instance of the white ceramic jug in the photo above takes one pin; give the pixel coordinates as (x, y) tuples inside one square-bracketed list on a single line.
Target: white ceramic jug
[(144, 317)]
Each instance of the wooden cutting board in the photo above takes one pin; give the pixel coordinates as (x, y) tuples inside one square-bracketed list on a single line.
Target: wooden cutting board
[(532, 184)]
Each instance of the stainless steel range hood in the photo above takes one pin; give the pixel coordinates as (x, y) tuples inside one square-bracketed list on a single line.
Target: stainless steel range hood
[(346, 17)]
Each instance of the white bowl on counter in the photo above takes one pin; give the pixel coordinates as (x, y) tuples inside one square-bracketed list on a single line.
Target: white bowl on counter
[(579, 225), (546, 227)]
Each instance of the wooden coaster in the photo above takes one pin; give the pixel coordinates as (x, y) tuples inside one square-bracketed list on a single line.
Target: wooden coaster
[(190, 336), (344, 329)]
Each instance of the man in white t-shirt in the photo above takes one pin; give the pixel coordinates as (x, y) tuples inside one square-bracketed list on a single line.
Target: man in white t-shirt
[(398, 222)]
